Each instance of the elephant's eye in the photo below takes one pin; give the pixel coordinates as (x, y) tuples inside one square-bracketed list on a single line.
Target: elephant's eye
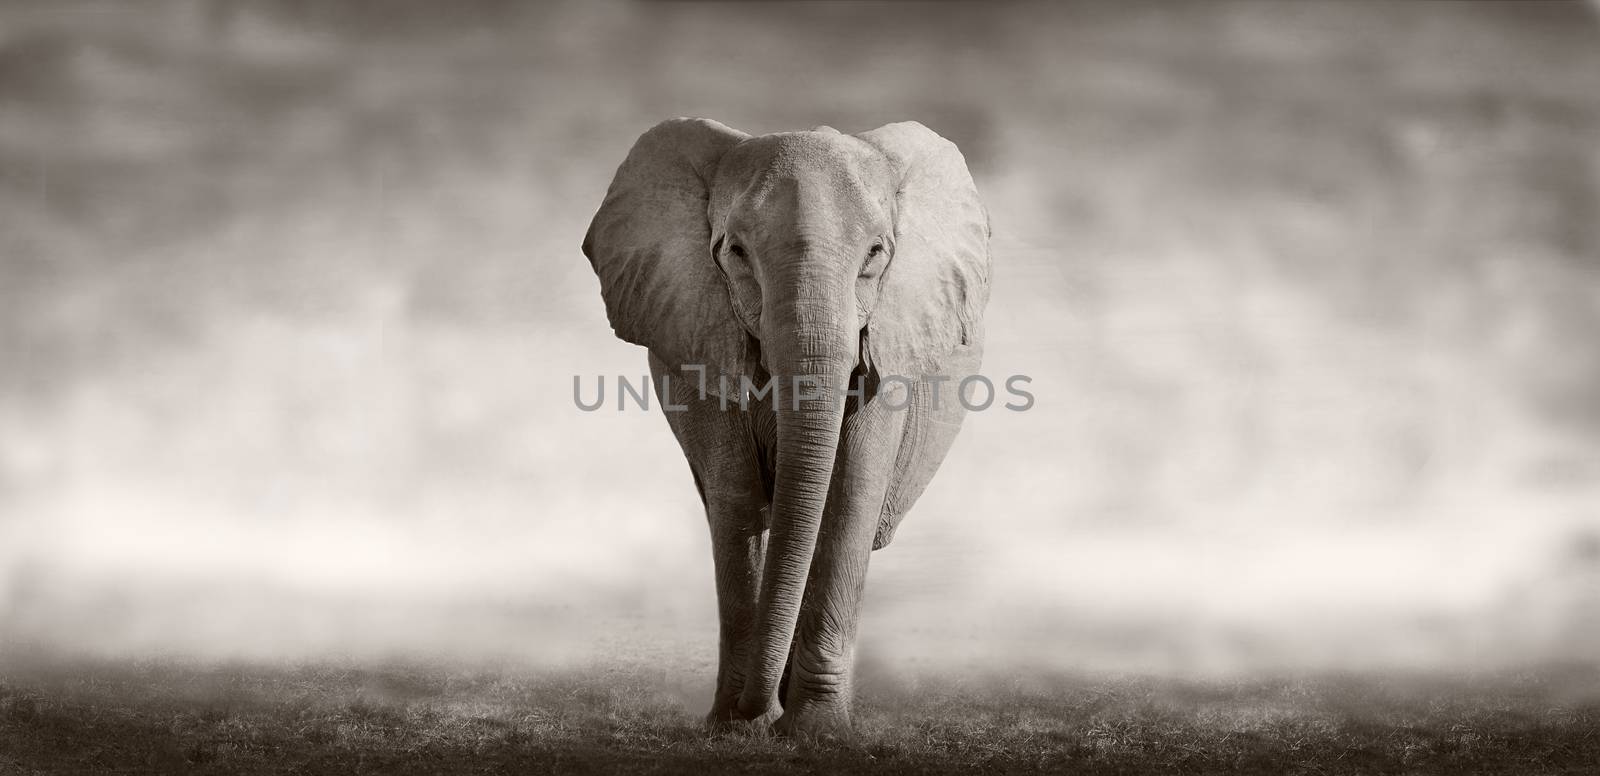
[(876, 259), (737, 250)]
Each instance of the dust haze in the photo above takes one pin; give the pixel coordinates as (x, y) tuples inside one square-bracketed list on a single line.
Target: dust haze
[(293, 301)]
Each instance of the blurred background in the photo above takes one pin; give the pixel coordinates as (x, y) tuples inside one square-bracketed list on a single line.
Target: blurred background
[(292, 302)]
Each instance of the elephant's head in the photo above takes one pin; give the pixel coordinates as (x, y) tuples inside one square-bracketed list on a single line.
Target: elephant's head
[(793, 254)]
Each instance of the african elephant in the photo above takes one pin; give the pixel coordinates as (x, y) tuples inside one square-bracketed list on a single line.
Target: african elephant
[(859, 262)]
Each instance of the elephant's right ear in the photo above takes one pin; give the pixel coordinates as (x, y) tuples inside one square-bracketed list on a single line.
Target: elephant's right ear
[(650, 245)]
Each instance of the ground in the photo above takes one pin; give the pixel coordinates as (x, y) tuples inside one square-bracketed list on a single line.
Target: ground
[(164, 716)]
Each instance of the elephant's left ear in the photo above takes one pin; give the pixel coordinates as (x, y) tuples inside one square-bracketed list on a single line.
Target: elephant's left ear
[(937, 282)]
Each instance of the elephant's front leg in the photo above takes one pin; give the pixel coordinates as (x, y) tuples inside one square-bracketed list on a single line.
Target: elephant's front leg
[(821, 666), (738, 545), (721, 447)]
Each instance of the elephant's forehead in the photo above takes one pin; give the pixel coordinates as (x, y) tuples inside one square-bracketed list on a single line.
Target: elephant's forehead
[(815, 161), (822, 174), (799, 150)]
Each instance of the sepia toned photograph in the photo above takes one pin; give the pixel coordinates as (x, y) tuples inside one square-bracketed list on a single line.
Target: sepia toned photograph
[(806, 386)]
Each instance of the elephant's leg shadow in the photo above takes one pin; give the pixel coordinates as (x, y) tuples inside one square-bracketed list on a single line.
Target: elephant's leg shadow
[(788, 672)]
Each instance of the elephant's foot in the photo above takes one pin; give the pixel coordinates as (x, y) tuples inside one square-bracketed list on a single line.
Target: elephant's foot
[(760, 726), (728, 718), (819, 705), (814, 723)]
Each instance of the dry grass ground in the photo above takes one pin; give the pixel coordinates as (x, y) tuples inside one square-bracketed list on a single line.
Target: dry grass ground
[(165, 717)]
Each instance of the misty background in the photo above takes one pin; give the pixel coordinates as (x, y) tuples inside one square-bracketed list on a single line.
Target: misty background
[(292, 301)]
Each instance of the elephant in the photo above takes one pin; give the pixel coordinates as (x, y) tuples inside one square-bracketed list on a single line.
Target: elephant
[(859, 262)]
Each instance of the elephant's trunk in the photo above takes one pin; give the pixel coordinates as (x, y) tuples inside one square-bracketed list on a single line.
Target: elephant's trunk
[(810, 333)]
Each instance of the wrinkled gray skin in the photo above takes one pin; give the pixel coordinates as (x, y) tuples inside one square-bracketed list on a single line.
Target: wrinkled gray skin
[(802, 253)]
